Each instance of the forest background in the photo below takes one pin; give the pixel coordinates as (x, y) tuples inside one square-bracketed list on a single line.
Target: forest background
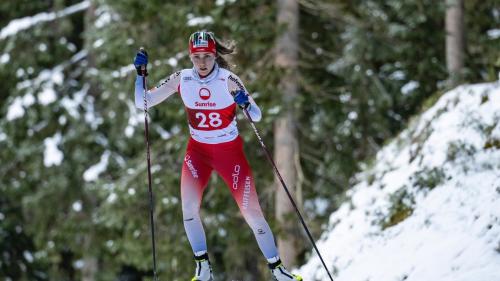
[(335, 80)]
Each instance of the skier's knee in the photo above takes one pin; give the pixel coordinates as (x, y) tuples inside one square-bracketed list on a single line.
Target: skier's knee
[(190, 210)]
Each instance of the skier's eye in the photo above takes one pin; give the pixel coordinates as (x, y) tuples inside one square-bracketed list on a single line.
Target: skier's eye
[(209, 57), (203, 58)]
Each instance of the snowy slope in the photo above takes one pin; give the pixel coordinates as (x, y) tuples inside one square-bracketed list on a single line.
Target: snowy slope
[(441, 179)]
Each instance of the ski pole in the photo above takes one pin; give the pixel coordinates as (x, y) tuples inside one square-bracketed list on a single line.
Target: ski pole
[(277, 172), (146, 137)]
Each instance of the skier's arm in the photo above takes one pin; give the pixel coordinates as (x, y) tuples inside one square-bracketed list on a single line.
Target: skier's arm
[(158, 93), (234, 84)]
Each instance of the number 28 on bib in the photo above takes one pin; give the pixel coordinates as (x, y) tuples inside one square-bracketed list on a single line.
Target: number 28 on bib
[(207, 120)]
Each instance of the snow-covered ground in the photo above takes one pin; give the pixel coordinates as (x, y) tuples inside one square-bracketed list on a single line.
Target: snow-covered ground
[(441, 179)]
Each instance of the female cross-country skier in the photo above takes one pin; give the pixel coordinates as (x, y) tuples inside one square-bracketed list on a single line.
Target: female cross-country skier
[(207, 93)]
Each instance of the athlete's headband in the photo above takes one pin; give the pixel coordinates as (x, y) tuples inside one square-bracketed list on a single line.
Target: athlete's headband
[(202, 41)]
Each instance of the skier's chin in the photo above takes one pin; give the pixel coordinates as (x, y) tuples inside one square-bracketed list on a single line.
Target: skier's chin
[(203, 71)]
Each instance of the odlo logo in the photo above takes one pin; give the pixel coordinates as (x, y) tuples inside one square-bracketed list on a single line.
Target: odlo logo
[(235, 175), (204, 93)]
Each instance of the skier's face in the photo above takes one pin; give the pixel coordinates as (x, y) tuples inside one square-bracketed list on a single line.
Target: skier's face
[(203, 62)]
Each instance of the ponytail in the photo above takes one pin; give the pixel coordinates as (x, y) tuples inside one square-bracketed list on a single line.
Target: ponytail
[(223, 49)]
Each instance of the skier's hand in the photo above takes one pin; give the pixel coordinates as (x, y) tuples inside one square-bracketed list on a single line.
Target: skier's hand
[(241, 98), (141, 61)]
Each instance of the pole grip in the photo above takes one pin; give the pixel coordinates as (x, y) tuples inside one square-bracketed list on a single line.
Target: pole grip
[(143, 67)]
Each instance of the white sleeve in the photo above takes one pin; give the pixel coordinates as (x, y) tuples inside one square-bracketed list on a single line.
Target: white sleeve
[(235, 83), (158, 93), (254, 110)]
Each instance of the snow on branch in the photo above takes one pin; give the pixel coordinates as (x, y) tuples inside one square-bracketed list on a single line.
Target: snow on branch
[(17, 25)]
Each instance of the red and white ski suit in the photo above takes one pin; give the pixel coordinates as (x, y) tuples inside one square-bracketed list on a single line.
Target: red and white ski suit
[(214, 145)]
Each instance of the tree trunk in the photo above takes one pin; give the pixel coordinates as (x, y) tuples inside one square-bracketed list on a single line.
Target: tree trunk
[(285, 136), (455, 43), (90, 267)]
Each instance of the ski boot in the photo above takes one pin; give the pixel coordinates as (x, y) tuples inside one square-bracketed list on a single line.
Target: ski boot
[(203, 269), (281, 274)]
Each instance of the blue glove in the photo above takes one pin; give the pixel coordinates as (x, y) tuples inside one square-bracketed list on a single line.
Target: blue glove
[(140, 60), (241, 98)]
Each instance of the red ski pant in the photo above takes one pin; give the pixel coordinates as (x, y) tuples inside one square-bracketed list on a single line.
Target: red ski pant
[(229, 161)]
